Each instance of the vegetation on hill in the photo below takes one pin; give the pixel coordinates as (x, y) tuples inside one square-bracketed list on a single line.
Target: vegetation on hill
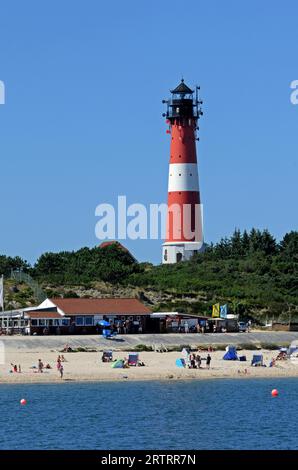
[(251, 272)]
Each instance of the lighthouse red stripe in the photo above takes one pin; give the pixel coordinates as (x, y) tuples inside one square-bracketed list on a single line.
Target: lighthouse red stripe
[(184, 216), (183, 147)]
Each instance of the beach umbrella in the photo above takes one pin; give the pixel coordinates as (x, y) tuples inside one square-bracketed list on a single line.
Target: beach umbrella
[(104, 323)]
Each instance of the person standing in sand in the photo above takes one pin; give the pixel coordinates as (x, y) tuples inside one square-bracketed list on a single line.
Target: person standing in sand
[(208, 361), (61, 369), (40, 365)]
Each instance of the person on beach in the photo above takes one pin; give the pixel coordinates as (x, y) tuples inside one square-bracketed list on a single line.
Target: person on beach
[(192, 361), (125, 363), (14, 367), (40, 365), (20, 370), (61, 369), (208, 361)]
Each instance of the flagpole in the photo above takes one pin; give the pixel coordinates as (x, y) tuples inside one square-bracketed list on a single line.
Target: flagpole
[(2, 293)]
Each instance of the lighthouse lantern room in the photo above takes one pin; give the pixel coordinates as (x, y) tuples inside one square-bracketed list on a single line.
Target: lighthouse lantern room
[(184, 218)]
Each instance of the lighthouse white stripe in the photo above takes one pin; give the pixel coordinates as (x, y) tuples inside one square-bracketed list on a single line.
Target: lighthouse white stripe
[(183, 177)]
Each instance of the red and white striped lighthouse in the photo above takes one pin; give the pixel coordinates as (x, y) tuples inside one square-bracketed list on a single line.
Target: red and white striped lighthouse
[(184, 219)]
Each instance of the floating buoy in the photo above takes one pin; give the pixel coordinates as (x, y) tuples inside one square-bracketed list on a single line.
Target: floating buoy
[(274, 392), (23, 401)]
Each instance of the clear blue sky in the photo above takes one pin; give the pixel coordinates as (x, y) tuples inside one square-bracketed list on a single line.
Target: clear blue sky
[(82, 121)]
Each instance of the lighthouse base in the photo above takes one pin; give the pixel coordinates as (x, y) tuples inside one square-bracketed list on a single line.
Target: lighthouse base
[(176, 252)]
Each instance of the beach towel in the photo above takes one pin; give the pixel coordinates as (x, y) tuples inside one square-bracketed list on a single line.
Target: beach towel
[(118, 364)]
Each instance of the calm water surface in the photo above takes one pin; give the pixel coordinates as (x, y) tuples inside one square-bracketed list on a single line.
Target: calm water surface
[(215, 414)]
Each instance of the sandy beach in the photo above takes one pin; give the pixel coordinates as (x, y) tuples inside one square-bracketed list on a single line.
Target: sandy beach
[(87, 366)]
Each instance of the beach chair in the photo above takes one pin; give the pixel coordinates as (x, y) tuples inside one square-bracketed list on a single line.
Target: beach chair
[(107, 356), (257, 360), (133, 359)]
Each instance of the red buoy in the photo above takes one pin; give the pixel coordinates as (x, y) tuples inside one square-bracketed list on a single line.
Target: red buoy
[(23, 401), (274, 392)]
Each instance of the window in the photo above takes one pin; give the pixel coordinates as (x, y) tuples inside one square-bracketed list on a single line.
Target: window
[(34, 322), (56, 322), (88, 321), (42, 322), (79, 321), (65, 322)]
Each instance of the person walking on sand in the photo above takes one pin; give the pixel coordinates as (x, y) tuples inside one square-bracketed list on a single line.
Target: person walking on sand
[(208, 361), (61, 369), (40, 365)]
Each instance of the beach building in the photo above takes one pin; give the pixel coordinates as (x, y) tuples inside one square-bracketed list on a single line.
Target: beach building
[(77, 316), (82, 316), (67, 316)]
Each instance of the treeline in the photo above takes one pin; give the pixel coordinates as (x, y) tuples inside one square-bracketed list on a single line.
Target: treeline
[(111, 264), (246, 244), (8, 263)]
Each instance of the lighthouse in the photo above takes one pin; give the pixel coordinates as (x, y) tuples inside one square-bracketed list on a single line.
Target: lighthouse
[(184, 234)]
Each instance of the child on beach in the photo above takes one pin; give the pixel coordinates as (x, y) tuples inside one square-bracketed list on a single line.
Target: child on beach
[(208, 361)]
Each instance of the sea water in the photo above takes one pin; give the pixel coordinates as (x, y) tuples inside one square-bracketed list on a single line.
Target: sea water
[(203, 414)]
